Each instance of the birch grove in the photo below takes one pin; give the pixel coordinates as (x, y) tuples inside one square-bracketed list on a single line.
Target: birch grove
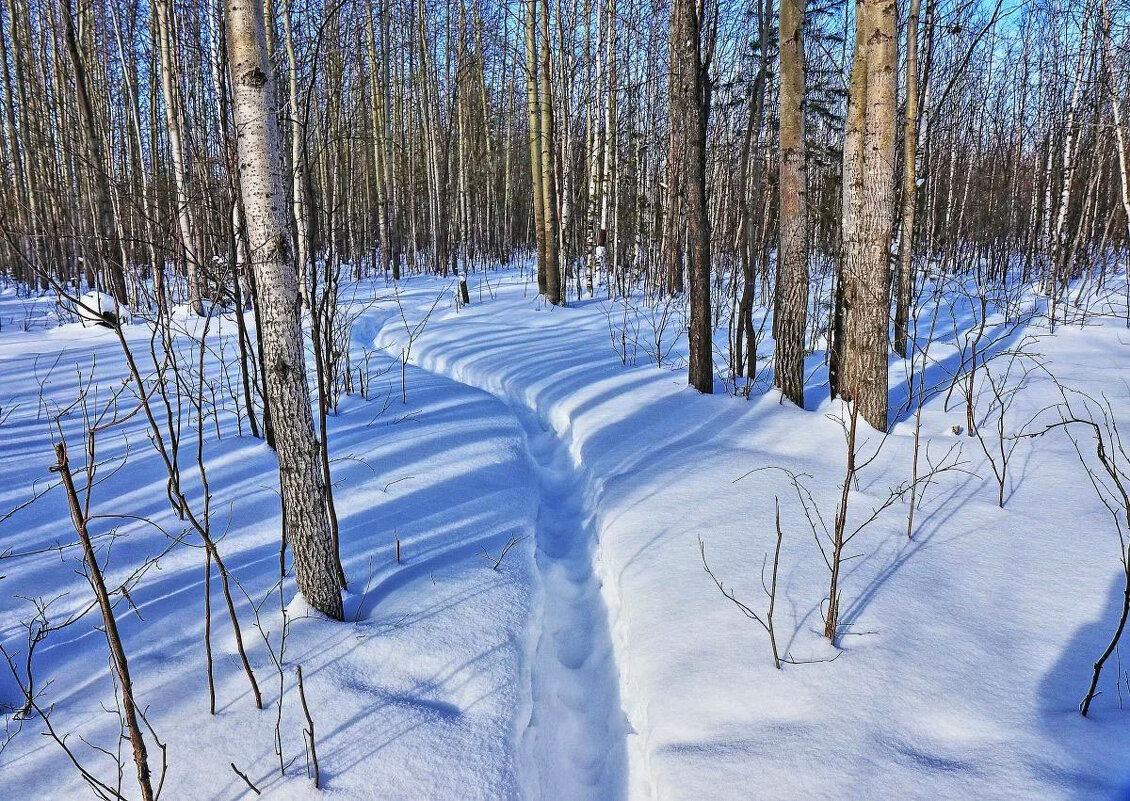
[(844, 211), (614, 148), (502, 130)]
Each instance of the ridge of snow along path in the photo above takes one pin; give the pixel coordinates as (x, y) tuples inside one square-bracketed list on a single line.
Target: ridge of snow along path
[(966, 649)]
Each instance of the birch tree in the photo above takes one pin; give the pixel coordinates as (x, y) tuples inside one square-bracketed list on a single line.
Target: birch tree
[(868, 211), (254, 106)]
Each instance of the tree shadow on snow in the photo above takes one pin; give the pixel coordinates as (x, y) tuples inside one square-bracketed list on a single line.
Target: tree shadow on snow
[(1095, 745)]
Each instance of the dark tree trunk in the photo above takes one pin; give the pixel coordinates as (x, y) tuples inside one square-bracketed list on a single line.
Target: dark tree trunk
[(690, 108), (792, 253)]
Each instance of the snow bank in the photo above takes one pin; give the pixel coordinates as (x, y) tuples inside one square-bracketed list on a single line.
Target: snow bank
[(99, 309), (599, 661)]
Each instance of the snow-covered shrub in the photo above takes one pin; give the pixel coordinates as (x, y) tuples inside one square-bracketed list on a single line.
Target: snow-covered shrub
[(98, 308)]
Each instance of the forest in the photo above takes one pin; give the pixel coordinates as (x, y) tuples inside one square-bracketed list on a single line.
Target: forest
[(564, 400)]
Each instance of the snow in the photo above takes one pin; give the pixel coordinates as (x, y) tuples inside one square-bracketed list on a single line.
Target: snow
[(92, 309), (413, 697), (599, 661)]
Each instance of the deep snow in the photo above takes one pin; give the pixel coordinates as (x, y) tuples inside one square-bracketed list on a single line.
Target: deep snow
[(599, 661)]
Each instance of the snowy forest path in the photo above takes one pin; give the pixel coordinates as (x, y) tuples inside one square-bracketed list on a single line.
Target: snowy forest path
[(572, 745)]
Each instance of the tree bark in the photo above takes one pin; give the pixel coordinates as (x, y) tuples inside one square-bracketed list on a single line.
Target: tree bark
[(690, 107), (1122, 138), (533, 105), (174, 126), (674, 222), (553, 288), (868, 207), (909, 185), (299, 167), (790, 316), (268, 229)]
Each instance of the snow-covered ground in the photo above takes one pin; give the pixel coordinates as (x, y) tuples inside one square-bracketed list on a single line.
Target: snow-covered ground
[(599, 661)]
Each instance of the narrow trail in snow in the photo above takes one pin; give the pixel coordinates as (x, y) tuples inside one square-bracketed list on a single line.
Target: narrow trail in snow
[(573, 747), (574, 743)]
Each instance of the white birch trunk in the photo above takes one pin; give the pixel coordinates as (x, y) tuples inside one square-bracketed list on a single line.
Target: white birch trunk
[(276, 278)]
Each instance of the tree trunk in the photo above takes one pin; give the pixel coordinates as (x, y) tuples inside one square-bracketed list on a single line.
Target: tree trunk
[(868, 206), (264, 202), (533, 105), (790, 316), (909, 185), (299, 168), (673, 198), (553, 288), (609, 158), (1122, 138), (178, 154), (690, 107)]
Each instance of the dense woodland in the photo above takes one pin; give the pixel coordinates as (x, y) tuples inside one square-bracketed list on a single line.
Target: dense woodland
[(810, 174), (453, 137)]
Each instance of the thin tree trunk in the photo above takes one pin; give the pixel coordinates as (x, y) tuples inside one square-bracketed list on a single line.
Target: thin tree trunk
[(553, 287), (533, 104), (690, 107), (905, 271), (174, 125)]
